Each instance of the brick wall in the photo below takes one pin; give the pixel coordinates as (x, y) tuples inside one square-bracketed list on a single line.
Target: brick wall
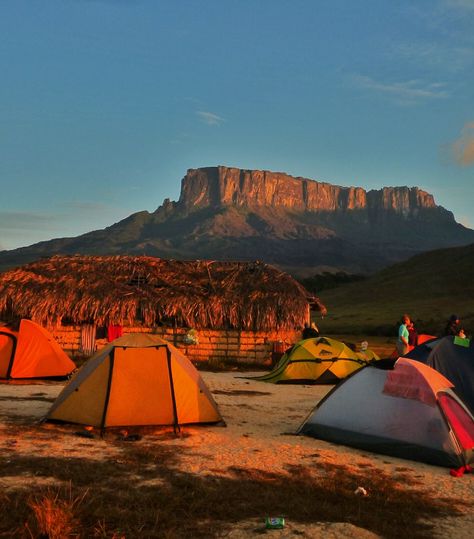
[(218, 346)]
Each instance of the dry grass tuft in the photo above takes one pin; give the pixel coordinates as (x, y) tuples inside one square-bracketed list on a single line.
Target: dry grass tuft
[(53, 514)]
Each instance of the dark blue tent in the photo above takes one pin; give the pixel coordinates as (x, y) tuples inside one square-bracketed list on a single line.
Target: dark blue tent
[(454, 359)]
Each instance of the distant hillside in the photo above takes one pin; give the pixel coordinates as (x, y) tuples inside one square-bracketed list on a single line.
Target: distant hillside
[(300, 225), (429, 287)]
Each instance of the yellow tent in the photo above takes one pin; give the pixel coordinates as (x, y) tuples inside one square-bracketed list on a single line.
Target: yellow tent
[(136, 380), (367, 355), (315, 361), (31, 352)]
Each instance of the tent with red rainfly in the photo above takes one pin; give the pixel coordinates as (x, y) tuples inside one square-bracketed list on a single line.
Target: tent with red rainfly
[(31, 352), (406, 411), (453, 357)]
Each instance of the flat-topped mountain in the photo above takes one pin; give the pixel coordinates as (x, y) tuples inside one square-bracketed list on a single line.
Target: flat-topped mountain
[(298, 224), (223, 186)]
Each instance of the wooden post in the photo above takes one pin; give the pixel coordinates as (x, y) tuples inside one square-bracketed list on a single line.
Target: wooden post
[(175, 336)]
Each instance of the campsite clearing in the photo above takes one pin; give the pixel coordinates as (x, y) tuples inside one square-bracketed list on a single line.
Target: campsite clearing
[(214, 481)]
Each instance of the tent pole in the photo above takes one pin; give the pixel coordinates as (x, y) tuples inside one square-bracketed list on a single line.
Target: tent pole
[(107, 395), (176, 427), (12, 356)]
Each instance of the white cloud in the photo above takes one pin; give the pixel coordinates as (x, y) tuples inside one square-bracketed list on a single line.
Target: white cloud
[(444, 56), (460, 4), (210, 118), (80, 207), (68, 218), (404, 92), (465, 221), (24, 228), (447, 20), (463, 148), (16, 220)]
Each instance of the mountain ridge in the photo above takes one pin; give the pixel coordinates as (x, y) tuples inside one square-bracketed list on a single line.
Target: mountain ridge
[(298, 223)]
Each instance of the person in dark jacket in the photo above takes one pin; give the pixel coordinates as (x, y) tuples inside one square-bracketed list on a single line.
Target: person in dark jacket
[(453, 326), (310, 331), (412, 334)]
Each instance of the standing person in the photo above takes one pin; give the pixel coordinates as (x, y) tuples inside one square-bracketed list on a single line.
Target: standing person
[(403, 335), (412, 334), (453, 326), (314, 330), (310, 331)]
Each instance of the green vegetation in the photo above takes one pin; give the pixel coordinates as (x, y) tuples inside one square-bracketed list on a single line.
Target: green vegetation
[(328, 280), (429, 287)]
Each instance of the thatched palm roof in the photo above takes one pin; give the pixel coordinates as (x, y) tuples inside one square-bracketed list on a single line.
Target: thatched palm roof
[(127, 290)]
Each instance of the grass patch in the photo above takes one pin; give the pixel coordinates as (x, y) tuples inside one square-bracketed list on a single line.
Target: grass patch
[(143, 494), (429, 287)]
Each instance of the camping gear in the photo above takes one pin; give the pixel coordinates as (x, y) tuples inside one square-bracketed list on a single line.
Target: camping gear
[(274, 523), (407, 411), (315, 361), (136, 380), (367, 355), (459, 472), (114, 331), (31, 352), (453, 359)]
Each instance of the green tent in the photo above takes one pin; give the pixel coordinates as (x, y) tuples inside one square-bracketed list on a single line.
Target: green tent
[(316, 361)]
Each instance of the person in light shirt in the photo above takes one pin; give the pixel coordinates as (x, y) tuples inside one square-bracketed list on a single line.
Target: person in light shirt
[(403, 335)]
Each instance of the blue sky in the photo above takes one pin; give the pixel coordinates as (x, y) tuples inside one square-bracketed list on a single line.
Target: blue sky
[(104, 104)]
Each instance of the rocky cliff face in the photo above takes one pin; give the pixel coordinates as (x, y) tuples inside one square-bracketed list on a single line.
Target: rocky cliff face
[(222, 186)]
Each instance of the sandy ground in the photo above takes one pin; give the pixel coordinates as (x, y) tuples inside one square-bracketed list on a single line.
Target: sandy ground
[(261, 422)]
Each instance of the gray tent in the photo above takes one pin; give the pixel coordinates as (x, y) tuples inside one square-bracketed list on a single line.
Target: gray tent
[(408, 411)]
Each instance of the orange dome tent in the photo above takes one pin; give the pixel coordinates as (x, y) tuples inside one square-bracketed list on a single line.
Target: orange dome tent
[(136, 380), (32, 352)]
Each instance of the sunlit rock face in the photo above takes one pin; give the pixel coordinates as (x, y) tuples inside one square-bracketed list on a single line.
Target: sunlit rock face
[(223, 186)]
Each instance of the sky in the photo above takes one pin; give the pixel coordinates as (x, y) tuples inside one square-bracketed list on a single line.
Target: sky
[(105, 104)]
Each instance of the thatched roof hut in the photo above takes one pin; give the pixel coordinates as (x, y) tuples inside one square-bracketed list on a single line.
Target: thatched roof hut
[(152, 291)]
